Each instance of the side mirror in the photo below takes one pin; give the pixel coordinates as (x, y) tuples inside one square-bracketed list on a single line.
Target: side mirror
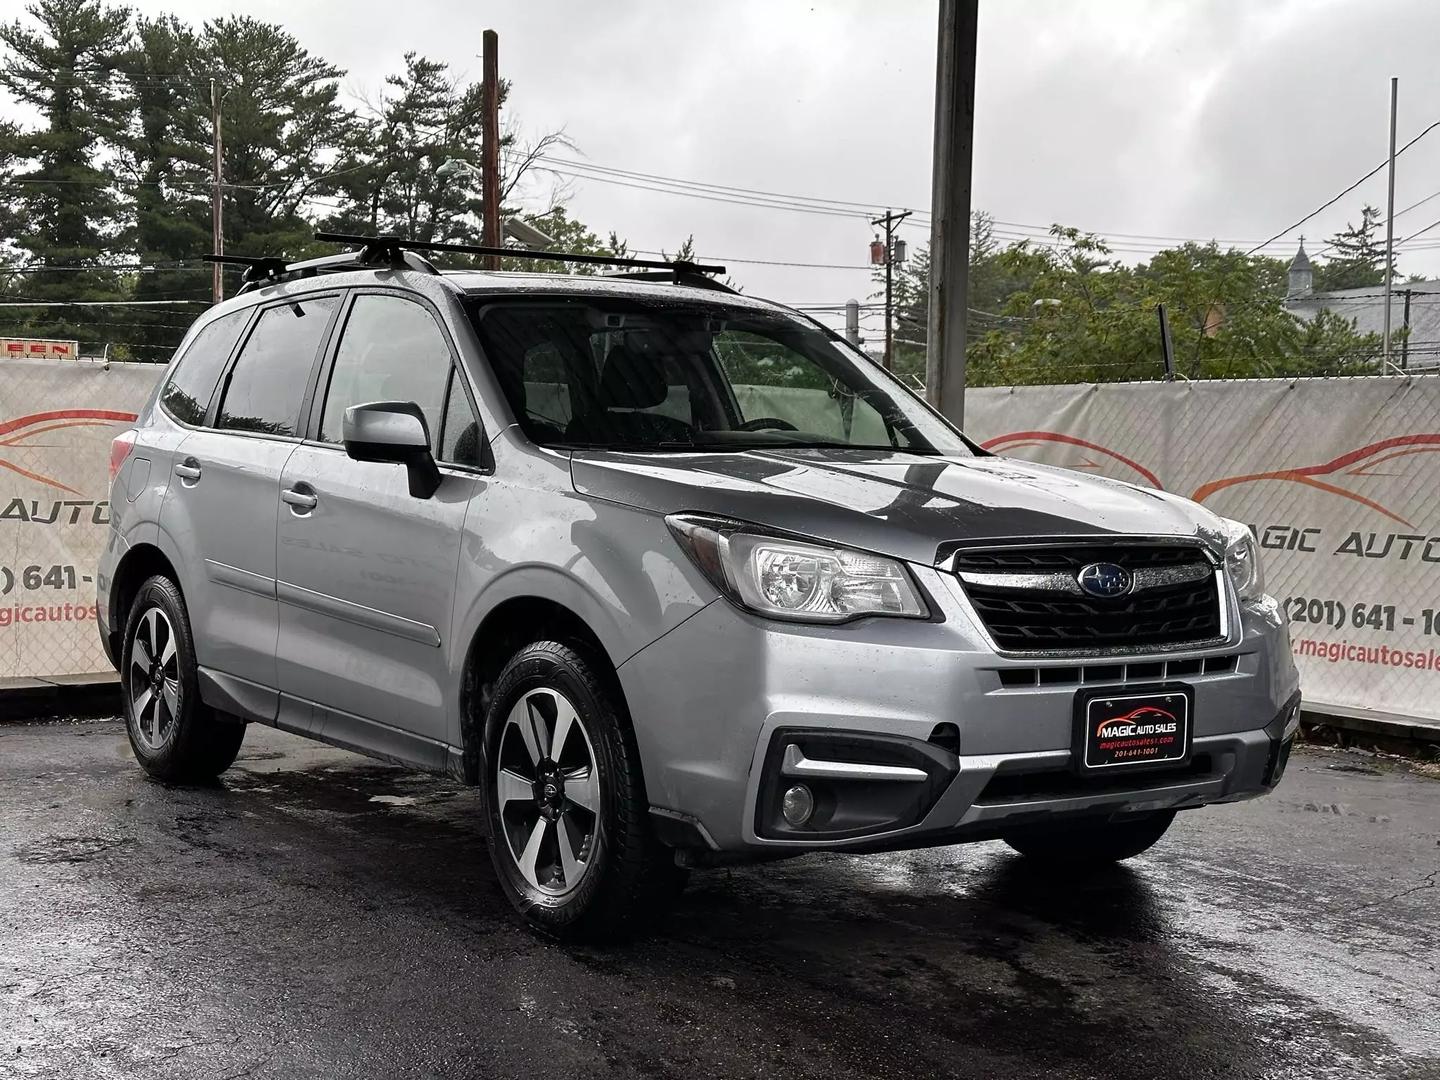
[(393, 431)]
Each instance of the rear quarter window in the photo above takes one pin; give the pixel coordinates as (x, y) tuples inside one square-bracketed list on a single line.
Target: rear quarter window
[(187, 394)]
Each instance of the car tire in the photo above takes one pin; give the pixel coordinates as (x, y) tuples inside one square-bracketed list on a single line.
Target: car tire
[(176, 737), (1090, 843), (569, 820)]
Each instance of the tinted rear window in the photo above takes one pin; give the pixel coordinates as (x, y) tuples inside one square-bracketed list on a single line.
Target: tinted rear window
[(268, 381), (187, 395)]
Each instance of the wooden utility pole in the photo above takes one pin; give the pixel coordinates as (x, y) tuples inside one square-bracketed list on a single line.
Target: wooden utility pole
[(889, 223), (490, 146), (950, 207), (217, 230), (1405, 341)]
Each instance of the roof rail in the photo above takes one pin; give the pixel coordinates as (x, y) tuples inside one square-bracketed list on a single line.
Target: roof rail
[(374, 248)]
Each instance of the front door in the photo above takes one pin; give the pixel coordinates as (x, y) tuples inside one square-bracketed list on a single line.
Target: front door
[(366, 571)]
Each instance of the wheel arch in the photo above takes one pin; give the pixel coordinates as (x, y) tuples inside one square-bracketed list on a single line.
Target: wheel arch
[(140, 563), (508, 627)]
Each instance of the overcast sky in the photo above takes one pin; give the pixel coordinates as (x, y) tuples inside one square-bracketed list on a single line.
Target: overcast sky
[(1167, 118)]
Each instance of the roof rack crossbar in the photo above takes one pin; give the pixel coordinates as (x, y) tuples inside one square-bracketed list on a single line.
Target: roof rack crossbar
[(680, 276), (377, 248), (256, 269)]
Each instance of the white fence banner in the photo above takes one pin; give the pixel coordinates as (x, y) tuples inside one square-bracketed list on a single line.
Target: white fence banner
[(1340, 479), (57, 419)]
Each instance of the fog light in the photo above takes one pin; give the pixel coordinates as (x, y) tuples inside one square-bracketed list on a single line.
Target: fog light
[(797, 805)]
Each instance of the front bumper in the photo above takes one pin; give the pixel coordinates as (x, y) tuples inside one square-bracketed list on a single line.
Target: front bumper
[(717, 702)]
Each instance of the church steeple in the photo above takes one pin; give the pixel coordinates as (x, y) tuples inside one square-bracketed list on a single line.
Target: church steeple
[(1302, 275)]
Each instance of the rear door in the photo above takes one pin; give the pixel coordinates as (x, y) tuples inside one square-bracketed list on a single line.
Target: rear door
[(366, 571), (222, 504)]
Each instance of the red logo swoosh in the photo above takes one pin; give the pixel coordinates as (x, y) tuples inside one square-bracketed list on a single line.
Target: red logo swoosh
[(17, 432), (1017, 439), (1363, 460)]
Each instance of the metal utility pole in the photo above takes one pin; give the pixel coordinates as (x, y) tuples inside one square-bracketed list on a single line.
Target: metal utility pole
[(490, 146), (1167, 349), (852, 322), (1390, 218), (217, 230), (889, 223), (950, 207)]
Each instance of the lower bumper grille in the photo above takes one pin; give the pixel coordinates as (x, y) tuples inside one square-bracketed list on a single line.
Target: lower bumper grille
[(1031, 599)]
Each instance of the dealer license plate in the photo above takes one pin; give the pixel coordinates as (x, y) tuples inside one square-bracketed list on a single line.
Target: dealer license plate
[(1133, 728)]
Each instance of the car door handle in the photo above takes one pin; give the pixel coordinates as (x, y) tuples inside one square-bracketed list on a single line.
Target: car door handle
[(189, 469), (301, 500)]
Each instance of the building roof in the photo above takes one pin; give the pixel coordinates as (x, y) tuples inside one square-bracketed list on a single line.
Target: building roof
[(1301, 260), (1365, 307)]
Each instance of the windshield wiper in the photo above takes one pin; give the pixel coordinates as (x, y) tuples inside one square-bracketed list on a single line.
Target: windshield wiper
[(660, 446), (822, 445)]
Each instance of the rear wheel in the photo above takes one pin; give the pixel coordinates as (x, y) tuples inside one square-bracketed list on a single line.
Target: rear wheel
[(568, 816), (175, 736), (1090, 843)]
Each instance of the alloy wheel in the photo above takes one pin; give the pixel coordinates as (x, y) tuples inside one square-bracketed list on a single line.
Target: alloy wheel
[(154, 680), (548, 789)]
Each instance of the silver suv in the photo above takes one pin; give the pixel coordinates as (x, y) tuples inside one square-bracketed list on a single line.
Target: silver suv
[(674, 575)]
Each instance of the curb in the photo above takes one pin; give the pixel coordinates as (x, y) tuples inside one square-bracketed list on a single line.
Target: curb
[(1408, 729), (92, 694)]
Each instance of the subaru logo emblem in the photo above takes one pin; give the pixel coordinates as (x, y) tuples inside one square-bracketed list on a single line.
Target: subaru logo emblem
[(1105, 580)]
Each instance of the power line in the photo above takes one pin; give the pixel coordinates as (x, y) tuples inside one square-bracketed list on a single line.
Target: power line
[(1352, 187), (856, 207), (95, 303)]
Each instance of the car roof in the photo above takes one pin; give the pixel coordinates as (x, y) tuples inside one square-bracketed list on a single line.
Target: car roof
[(518, 282), (494, 284)]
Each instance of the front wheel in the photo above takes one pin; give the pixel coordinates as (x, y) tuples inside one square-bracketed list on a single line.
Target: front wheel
[(568, 816), (1090, 843), (175, 736)]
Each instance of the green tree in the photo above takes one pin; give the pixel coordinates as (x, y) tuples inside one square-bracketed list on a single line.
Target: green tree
[(68, 213), (167, 158), (1085, 317), (568, 234), (1359, 256), (390, 179), (284, 131), (990, 281)]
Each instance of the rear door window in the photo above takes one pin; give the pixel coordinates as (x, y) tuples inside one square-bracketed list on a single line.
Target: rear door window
[(267, 384), (187, 395)]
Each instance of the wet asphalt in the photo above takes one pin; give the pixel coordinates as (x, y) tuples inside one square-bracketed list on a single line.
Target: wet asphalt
[(320, 915)]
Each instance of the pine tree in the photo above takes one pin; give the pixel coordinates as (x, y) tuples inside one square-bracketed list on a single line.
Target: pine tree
[(1358, 259), (167, 155), (284, 130), (69, 213), (424, 118)]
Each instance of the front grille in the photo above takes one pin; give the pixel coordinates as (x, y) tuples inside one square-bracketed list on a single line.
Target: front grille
[(1030, 602)]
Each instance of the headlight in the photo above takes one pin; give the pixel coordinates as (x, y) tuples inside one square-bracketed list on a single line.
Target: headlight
[(795, 579), (1242, 561)]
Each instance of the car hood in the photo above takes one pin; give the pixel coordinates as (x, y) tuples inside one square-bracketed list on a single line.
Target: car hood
[(908, 506)]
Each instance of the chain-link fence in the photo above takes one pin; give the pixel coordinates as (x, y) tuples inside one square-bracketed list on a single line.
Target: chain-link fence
[(1337, 476), (57, 419)]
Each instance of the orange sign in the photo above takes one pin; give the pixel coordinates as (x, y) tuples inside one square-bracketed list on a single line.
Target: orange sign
[(39, 348)]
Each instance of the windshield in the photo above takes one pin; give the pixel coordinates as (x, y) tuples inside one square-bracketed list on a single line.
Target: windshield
[(632, 374)]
